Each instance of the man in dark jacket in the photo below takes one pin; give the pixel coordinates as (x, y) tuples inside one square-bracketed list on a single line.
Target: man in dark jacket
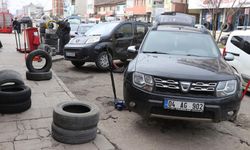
[(17, 26), (63, 32)]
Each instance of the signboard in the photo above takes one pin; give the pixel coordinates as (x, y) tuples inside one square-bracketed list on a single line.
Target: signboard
[(205, 4)]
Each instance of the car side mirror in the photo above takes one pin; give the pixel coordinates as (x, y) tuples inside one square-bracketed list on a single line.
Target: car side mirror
[(229, 57), (132, 49), (119, 35)]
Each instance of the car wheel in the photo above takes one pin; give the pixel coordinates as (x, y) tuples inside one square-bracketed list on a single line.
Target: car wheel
[(38, 76), (11, 94), (78, 64), (10, 76), (42, 54), (73, 136), (102, 61), (76, 115)]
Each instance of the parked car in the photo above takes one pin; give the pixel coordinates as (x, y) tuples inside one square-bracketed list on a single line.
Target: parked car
[(179, 73), (223, 39), (115, 37), (238, 44), (83, 28)]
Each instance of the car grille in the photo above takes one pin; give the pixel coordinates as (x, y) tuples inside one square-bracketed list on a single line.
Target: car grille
[(173, 87)]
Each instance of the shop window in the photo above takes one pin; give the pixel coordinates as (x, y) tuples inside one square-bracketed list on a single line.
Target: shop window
[(242, 42)]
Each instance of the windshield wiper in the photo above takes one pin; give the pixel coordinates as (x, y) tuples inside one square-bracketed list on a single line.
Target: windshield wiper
[(155, 52), (193, 55)]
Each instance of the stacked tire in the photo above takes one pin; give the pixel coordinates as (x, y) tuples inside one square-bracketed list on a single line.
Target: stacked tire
[(75, 122), (15, 96), (42, 73)]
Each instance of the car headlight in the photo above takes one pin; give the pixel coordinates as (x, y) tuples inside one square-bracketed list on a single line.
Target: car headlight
[(93, 39), (226, 88), (143, 81), (76, 41)]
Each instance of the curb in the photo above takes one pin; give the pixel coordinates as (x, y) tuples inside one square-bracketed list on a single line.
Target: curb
[(60, 82), (57, 58)]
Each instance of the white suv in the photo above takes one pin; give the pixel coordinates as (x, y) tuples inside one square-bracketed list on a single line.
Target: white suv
[(238, 44)]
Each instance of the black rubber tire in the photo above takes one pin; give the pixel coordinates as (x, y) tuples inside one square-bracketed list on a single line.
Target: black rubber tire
[(78, 64), (98, 62), (12, 94), (71, 136), (76, 121), (38, 76), (10, 76), (15, 108), (42, 53), (226, 27)]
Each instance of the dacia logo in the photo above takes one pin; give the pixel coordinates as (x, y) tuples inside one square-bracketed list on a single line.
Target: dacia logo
[(185, 86)]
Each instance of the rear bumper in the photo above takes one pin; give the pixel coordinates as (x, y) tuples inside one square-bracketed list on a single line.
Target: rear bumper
[(151, 105)]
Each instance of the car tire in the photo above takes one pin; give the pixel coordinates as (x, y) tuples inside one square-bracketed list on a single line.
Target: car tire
[(76, 115), (42, 53), (10, 76), (15, 108), (12, 94), (73, 136), (38, 76), (102, 61), (78, 64)]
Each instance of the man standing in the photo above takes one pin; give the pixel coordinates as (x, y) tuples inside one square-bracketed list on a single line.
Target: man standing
[(16, 25), (63, 32)]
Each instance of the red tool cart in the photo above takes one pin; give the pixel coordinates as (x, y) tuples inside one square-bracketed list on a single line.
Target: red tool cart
[(31, 40)]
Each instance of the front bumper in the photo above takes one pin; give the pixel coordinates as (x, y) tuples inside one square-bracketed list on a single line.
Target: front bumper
[(77, 53), (149, 104)]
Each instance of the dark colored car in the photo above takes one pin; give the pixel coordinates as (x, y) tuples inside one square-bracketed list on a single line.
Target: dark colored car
[(27, 21), (179, 73), (115, 37)]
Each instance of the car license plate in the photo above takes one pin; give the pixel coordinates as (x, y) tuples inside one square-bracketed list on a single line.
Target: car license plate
[(70, 54), (183, 106)]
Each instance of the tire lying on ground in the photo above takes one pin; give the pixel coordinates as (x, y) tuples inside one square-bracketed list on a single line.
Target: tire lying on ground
[(11, 94), (16, 107), (38, 76), (73, 136), (76, 115), (42, 54), (10, 76)]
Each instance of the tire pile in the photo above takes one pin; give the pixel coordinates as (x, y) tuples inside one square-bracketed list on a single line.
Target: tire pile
[(75, 122), (15, 96), (40, 74)]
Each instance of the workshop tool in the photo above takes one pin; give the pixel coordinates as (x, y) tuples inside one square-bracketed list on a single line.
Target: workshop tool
[(245, 91), (118, 103)]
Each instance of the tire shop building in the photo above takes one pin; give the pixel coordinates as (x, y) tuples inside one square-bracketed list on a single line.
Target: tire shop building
[(239, 19)]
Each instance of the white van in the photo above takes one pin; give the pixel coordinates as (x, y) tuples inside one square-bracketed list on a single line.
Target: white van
[(238, 44)]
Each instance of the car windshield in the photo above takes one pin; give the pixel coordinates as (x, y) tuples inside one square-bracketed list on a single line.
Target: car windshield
[(102, 29), (73, 27), (180, 43), (83, 29)]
